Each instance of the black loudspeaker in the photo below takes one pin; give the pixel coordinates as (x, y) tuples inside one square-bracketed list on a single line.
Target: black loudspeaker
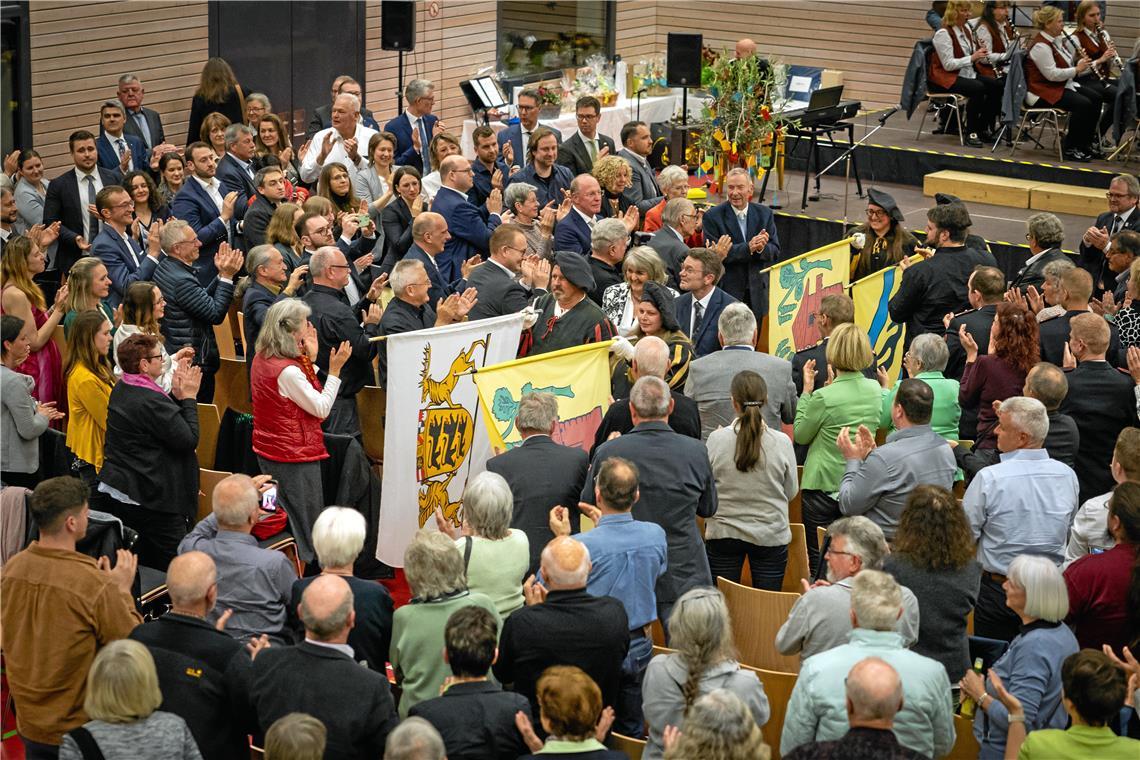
[(397, 25), (683, 61)]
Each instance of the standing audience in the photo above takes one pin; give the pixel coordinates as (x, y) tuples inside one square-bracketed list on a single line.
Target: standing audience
[(24, 419)]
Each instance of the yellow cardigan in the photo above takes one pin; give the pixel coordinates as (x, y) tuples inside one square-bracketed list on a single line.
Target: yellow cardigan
[(87, 399)]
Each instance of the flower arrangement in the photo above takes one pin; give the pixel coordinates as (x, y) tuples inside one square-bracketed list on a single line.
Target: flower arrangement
[(650, 74), (595, 78)]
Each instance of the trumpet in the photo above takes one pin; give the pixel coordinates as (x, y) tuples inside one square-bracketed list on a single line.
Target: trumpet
[(1105, 42)]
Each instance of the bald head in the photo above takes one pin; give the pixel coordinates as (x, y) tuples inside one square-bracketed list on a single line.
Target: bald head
[(326, 609), (565, 564), (1048, 384), (650, 357), (190, 579), (745, 48), (874, 694), (235, 503)]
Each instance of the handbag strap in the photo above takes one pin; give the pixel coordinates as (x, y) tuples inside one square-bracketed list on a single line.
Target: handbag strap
[(467, 541), (87, 745)]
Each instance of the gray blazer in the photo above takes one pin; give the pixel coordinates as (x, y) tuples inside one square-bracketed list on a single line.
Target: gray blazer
[(710, 378), (20, 425), (644, 186)]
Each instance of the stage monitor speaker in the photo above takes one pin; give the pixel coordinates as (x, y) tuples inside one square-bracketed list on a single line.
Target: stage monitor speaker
[(397, 25), (683, 60)]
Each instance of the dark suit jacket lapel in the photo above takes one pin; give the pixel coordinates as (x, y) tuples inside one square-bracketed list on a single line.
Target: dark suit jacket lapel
[(685, 315), (709, 317)]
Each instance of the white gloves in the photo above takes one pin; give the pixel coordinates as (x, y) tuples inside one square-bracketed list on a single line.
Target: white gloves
[(622, 348)]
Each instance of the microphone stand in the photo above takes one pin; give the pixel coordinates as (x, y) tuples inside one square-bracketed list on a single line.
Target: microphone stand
[(846, 155)]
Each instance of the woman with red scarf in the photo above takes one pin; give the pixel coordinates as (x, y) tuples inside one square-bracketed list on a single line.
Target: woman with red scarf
[(289, 405)]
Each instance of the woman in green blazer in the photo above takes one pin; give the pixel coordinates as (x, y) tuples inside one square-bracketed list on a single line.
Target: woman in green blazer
[(848, 400), (925, 361)]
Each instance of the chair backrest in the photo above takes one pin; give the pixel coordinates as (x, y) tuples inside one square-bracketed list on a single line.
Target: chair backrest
[(60, 339), (231, 386), (795, 506), (247, 351), (756, 618), (207, 479), (225, 337), (209, 423), (820, 532), (965, 747), (371, 405), (778, 688), (797, 568), (628, 745)]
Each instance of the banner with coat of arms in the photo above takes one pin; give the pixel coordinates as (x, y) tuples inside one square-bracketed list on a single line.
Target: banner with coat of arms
[(871, 296), (434, 438), (579, 378), (795, 289)]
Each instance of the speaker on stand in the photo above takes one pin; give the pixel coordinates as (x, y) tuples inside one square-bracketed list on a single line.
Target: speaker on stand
[(683, 69), (398, 32)]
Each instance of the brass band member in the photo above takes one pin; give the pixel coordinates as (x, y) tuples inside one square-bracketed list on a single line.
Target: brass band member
[(884, 242), (1096, 83), (994, 33), (1051, 80), (952, 70)]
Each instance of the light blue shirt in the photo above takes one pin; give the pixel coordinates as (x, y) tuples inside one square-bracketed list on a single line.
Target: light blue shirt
[(628, 557), (1022, 505), (817, 711)]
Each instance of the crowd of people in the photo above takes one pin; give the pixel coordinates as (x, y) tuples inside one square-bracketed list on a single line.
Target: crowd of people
[(971, 528)]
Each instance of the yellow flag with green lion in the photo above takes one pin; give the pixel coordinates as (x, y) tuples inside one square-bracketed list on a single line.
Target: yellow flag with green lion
[(871, 295), (579, 378), (795, 288)]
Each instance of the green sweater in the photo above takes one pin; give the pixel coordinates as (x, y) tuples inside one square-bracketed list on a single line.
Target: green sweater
[(1078, 741), (851, 400), (944, 421)]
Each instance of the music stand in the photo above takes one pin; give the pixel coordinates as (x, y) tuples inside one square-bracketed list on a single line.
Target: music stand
[(483, 94)]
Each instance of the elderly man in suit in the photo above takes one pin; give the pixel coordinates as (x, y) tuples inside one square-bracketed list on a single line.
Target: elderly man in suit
[(1045, 233), (415, 127), (755, 244), (271, 282), (574, 232), (345, 142), (143, 123), (586, 146), (541, 473), (470, 226), (322, 115), (676, 486), (509, 279), (637, 142), (68, 197), (120, 253), (699, 307), (514, 140), (320, 677), (235, 169), (1123, 195), (201, 202), (710, 377), (679, 221), (119, 151)]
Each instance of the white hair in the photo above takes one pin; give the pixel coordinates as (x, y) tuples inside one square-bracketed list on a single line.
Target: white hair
[(403, 273), (488, 505), (1046, 595), (321, 259), (650, 398), (352, 100), (876, 600), (414, 739), (737, 325), (1027, 415), (606, 233), (338, 536)]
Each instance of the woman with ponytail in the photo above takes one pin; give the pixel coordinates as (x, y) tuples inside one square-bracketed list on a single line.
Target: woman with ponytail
[(1104, 589), (755, 471), (705, 660)]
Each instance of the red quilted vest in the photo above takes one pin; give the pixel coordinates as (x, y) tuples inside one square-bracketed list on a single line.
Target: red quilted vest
[(282, 431)]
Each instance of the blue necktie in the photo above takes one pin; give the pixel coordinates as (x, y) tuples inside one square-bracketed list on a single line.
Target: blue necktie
[(144, 129), (424, 145), (743, 222)]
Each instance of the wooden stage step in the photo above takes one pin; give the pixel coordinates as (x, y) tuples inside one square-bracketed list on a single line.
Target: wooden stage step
[(1016, 193)]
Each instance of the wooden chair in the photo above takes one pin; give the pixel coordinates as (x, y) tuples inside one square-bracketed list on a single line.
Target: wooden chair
[(209, 423), (628, 745), (820, 532), (231, 386), (60, 341), (287, 545), (207, 479), (657, 633), (371, 405), (662, 650), (237, 329), (965, 745), (756, 617), (795, 506), (778, 688), (797, 568), (224, 335)]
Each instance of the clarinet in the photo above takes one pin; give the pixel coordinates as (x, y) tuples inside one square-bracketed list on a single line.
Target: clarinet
[(1082, 54), (1104, 43)]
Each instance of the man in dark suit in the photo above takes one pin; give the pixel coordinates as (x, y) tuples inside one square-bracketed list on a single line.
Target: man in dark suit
[(937, 285), (699, 307), (271, 283), (541, 473), (485, 165), (202, 203), (270, 193), (470, 226), (430, 233), (474, 716), (1124, 251), (755, 243), (1123, 194), (1075, 288), (676, 484), (1100, 401), (637, 143), (985, 290), (120, 253), (235, 169), (119, 151), (203, 672), (322, 115), (143, 123), (416, 126), (320, 677), (509, 279), (68, 198), (650, 359), (513, 140), (573, 233), (1045, 233), (586, 146), (1049, 385), (678, 222)]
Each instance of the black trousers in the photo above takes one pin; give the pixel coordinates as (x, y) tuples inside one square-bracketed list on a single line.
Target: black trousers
[(159, 532), (206, 389), (21, 479), (1083, 114), (1099, 94), (984, 100), (766, 563), (992, 619), (819, 509)]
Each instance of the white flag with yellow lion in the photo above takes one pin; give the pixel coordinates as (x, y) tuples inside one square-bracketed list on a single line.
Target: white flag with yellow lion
[(435, 437)]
